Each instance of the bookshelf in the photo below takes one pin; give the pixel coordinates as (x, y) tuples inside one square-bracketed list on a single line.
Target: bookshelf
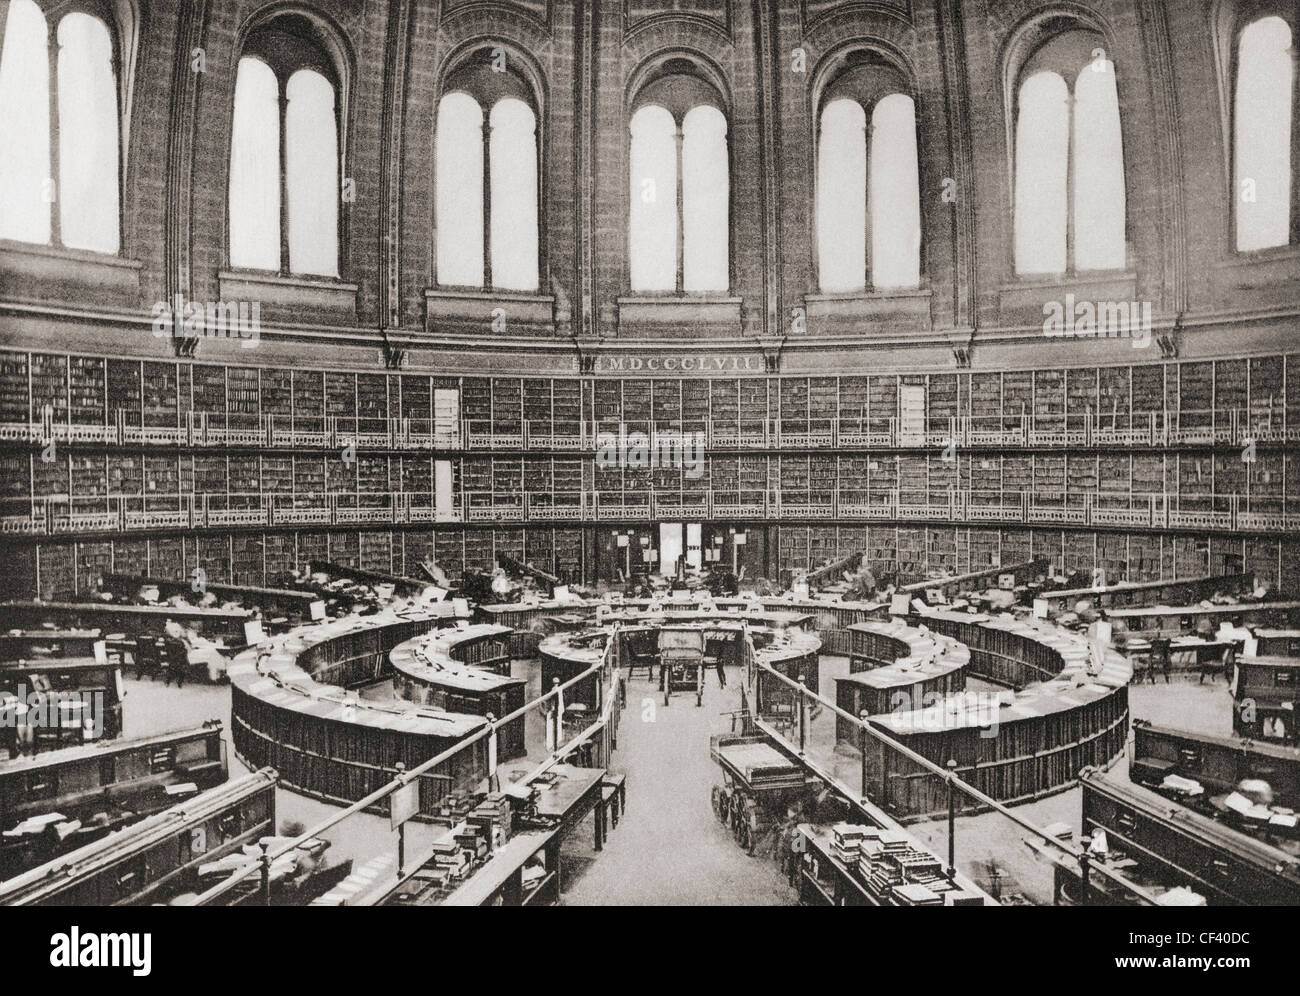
[(479, 554), (568, 554), (87, 387), (246, 563), (538, 407), (372, 403), (507, 406), (539, 549), (341, 400), (50, 386), (344, 548), (566, 402), (243, 397), (15, 400), (308, 401), (210, 393), (276, 392), (375, 551), (160, 395)]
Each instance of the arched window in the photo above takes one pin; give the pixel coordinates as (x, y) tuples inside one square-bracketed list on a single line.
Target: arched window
[(1070, 195), (868, 182), (65, 191), (486, 187), (679, 215), (1263, 111), (284, 153)]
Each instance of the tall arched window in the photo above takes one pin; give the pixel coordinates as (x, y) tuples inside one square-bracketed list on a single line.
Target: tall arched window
[(1263, 112), (486, 187), (1070, 195), (868, 180), (60, 171), (679, 188), (285, 153)]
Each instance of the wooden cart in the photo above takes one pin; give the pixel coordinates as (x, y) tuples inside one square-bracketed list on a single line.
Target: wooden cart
[(681, 661), (759, 785)]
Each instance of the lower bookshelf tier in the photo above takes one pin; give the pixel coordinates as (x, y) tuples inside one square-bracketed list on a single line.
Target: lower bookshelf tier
[(62, 568)]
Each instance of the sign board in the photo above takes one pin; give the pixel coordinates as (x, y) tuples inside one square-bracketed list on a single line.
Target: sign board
[(404, 803), (317, 610), (1040, 608), (253, 632), (1006, 582), (899, 604)]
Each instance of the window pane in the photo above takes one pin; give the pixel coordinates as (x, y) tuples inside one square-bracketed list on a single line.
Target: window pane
[(514, 195), (895, 195), (25, 126), (705, 194), (842, 198), (312, 174), (1042, 159), (1099, 193), (459, 202), (255, 168), (1263, 138), (652, 224), (88, 147)]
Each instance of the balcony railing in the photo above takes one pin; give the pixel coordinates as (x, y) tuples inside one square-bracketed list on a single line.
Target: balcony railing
[(721, 432), (61, 515)]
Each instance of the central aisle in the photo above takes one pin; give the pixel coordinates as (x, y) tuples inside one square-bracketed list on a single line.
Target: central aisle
[(669, 848)]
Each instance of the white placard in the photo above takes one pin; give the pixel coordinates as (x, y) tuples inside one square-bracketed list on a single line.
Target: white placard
[(317, 610), (1040, 608), (404, 803), (253, 632)]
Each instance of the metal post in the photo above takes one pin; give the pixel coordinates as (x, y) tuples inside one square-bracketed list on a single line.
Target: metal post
[(952, 818), (862, 741), (803, 716), (1085, 861), (266, 873), (401, 830)]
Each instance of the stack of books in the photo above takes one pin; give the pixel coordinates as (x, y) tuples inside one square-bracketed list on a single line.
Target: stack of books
[(476, 841), (450, 863), (846, 841), (871, 862), (493, 816), (913, 894)]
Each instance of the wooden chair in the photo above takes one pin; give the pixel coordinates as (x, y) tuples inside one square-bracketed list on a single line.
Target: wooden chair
[(148, 656), (1159, 657), (1223, 665)]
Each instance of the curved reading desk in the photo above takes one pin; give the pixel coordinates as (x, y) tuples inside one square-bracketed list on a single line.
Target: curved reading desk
[(1067, 710), (289, 711), (463, 671)]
